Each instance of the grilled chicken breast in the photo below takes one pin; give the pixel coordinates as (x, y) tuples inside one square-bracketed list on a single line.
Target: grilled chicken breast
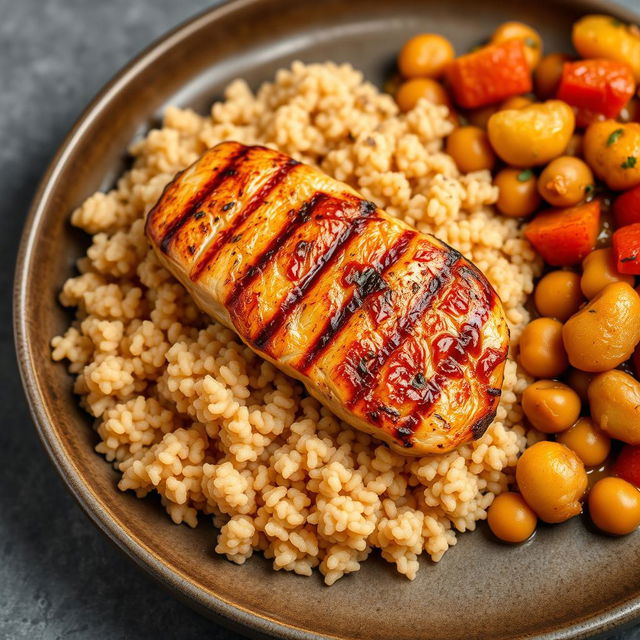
[(393, 330)]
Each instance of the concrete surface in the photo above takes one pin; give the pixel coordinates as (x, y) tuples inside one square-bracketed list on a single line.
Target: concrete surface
[(59, 577)]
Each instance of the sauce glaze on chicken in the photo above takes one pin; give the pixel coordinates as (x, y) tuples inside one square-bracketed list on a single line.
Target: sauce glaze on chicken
[(392, 329)]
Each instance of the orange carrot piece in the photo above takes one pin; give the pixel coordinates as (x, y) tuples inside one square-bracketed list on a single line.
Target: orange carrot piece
[(565, 236), (490, 74)]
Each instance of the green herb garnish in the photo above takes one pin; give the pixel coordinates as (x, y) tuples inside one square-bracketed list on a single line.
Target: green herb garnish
[(589, 191), (530, 42), (629, 163), (525, 175), (615, 22), (614, 136)]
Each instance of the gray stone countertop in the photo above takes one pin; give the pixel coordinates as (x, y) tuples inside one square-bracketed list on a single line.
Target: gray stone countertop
[(59, 577)]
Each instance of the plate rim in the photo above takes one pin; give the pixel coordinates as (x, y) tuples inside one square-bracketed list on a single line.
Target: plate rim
[(204, 601)]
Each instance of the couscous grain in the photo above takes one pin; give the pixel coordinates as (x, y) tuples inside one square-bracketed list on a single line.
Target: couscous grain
[(183, 408)]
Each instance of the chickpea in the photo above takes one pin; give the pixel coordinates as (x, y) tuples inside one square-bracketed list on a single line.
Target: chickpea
[(614, 401), (480, 117), (542, 353), (470, 149), (518, 196), (548, 73), (516, 102), (579, 381), (425, 56), (612, 150), (598, 36), (590, 443), (552, 480), (520, 31), (558, 295), (411, 91), (550, 406), (614, 506), (564, 181), (533, 135), (599, 270), (510, 518), (604, 333), (574, 148)]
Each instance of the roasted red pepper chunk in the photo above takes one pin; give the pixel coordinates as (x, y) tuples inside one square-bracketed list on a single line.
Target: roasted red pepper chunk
[(596, 87), (626, 208), (565, 236), (490, 74), (626, 249), (627, 465)]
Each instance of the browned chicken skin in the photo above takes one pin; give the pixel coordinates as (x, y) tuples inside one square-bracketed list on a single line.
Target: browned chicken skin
[(392, 329)]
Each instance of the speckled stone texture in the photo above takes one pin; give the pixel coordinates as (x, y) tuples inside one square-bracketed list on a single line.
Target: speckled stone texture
[(59, 577)]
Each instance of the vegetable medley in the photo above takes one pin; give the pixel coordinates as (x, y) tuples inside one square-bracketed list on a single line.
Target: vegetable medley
[(561, 133)]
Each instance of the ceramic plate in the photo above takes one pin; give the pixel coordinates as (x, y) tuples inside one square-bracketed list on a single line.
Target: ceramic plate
[(569, 582)]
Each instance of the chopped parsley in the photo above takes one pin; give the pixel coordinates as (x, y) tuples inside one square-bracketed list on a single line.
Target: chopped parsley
[(531, 43), (615, 22), (614, 136), (525, 175), (629, 163), (589, 191)]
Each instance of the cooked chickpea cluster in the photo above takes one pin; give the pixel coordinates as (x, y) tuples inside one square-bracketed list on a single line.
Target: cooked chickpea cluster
[(586, 393), (560, 134)]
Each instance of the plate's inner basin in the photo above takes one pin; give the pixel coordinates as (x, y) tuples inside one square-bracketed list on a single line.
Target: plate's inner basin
[(480, 589)]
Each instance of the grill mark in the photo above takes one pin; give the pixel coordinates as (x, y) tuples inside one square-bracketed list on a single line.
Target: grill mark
[(257, 200), (471, 271), (439, 380), (436, 383), (297, 293), (293, 224), (406, 324), (481, 425), (200, 197), (334, 325)]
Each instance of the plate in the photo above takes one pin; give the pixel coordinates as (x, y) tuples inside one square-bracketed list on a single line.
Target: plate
[(568, 582)]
